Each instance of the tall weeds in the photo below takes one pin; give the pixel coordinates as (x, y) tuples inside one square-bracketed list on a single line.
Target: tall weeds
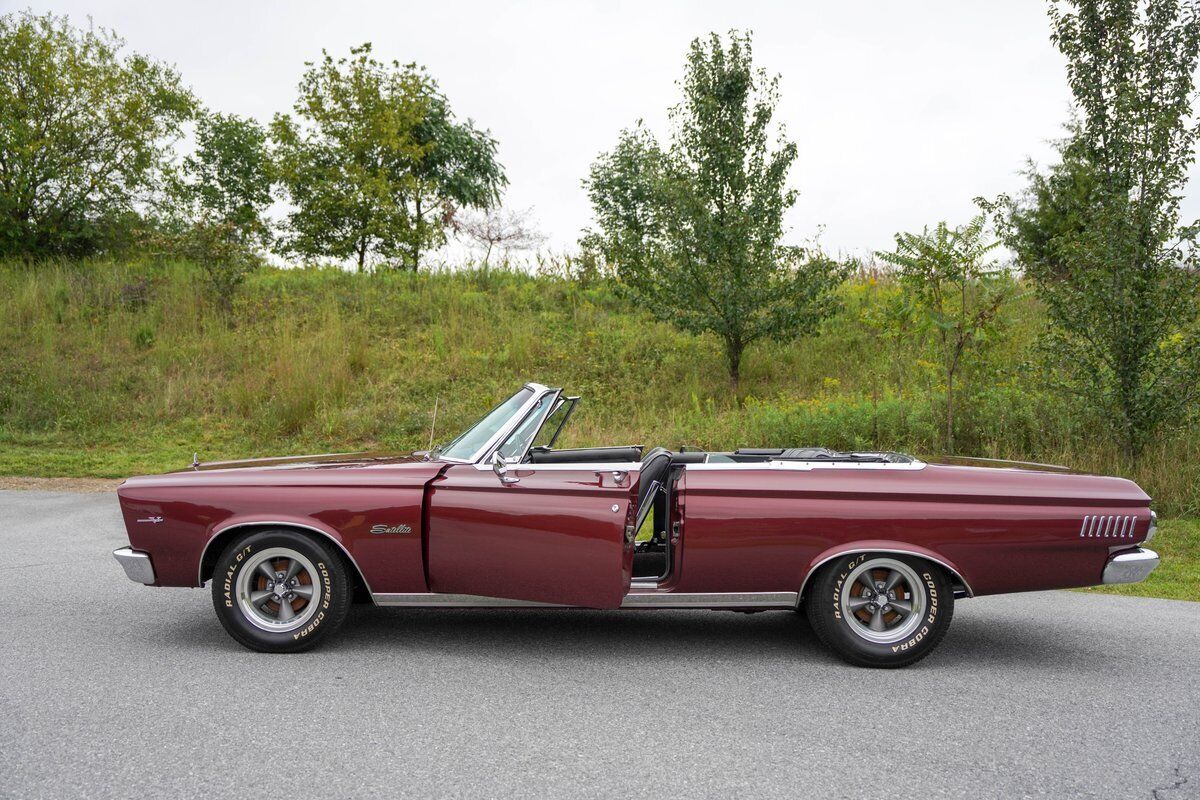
[(111, 368)]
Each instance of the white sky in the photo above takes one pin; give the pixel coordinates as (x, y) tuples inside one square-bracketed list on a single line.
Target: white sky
[(903, 112)]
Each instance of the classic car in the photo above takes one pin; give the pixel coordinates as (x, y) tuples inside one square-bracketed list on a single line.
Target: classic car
[(874, 548)]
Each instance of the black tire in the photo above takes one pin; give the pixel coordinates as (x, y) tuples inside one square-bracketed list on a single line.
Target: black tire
[(239, 575), (834, 604)]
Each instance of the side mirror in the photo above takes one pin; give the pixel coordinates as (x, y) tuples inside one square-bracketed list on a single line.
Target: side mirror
[(500, 467)]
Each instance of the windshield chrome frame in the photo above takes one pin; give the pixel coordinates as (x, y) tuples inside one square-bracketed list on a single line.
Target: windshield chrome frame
[(507, 428), (518, 459)]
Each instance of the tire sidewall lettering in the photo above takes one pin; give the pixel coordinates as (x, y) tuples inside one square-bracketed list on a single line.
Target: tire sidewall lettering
[(231, 570), (326, 589)]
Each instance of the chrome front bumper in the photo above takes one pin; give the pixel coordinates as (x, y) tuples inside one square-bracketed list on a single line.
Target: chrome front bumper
[(136, 564), (1130, 567)]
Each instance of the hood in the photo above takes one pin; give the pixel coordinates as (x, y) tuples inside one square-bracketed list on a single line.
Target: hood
[(327, 460)]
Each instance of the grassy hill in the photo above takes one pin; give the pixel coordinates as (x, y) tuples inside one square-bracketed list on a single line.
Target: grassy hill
[(111, 369), (108, 369)]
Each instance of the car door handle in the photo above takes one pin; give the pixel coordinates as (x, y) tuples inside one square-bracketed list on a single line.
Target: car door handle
[(618, 476)]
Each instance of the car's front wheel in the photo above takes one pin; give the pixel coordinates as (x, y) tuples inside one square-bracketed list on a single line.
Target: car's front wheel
[(880, 609), (280, 591)]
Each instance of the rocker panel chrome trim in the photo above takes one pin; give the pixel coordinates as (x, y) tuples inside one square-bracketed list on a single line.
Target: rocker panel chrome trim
[(632, 600), (280, 524)]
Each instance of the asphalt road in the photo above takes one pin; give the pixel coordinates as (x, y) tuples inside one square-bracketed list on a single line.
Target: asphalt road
[(110, 689)]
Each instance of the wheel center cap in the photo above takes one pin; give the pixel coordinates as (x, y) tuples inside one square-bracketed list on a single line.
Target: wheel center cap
[(882, 600)]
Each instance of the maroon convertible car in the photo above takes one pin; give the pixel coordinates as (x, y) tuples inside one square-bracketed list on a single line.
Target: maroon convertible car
[(873, 547)]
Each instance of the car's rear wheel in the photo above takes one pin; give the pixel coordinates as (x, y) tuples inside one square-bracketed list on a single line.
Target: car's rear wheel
[(880, 609), (280, 591)]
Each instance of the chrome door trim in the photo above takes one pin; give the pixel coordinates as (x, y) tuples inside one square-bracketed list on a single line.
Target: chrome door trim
[(635, 599), (590, 466)]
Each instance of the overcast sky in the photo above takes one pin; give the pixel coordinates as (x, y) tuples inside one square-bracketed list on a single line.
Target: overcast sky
[(903, 112)]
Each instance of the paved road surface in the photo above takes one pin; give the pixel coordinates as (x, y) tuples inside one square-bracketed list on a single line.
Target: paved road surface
[(109, 689)]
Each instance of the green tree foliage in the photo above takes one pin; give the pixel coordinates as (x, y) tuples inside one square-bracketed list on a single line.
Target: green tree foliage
[(227, 179), (1100, 235), (694, 230), (376, 163), (220, 195), (85, 132), (957, 290)]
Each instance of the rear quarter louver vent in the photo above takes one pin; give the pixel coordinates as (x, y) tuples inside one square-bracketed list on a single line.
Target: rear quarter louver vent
[(1108, 527)]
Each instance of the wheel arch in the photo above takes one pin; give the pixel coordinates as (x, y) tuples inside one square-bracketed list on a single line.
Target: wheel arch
[(221, 537), (962, 588)]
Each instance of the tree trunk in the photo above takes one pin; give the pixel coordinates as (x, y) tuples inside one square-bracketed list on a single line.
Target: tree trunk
[(362, 253), (950, 412), (733, 354), (416, 245)]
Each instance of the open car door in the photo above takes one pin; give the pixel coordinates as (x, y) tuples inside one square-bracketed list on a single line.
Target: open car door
[(548, 533)]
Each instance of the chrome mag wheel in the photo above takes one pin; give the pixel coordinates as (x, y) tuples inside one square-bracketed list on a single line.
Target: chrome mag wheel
[(883, 600), (278, 590)]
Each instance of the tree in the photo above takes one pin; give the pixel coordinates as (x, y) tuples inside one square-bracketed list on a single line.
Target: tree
[(85, 132), (228, 177), (693, 231), (1099, 234), (959, 291), (220, 197), (378, 164), (508, 230)]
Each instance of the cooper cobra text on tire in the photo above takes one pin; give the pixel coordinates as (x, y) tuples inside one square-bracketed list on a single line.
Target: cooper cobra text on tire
[(880, 609), (280, 591)]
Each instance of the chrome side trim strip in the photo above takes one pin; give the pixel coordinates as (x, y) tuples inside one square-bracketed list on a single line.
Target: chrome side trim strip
[(802, 466), (281, 524), (136, 564), (633, 600), (953, 572)]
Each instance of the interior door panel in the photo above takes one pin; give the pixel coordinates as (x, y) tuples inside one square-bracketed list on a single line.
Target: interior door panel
[(553, 536)]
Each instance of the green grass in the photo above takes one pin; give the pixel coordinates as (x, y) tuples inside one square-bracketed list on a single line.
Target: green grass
[(1178, 576), (111, 369)]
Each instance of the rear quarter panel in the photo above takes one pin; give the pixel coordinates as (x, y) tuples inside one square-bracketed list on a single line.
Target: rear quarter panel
[(762, 530)]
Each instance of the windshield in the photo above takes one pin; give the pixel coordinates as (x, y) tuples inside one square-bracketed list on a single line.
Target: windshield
[(471, 441)]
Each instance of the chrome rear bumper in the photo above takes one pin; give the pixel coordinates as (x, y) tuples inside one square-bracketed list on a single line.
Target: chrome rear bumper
[(136, 564), (1130, 567)]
